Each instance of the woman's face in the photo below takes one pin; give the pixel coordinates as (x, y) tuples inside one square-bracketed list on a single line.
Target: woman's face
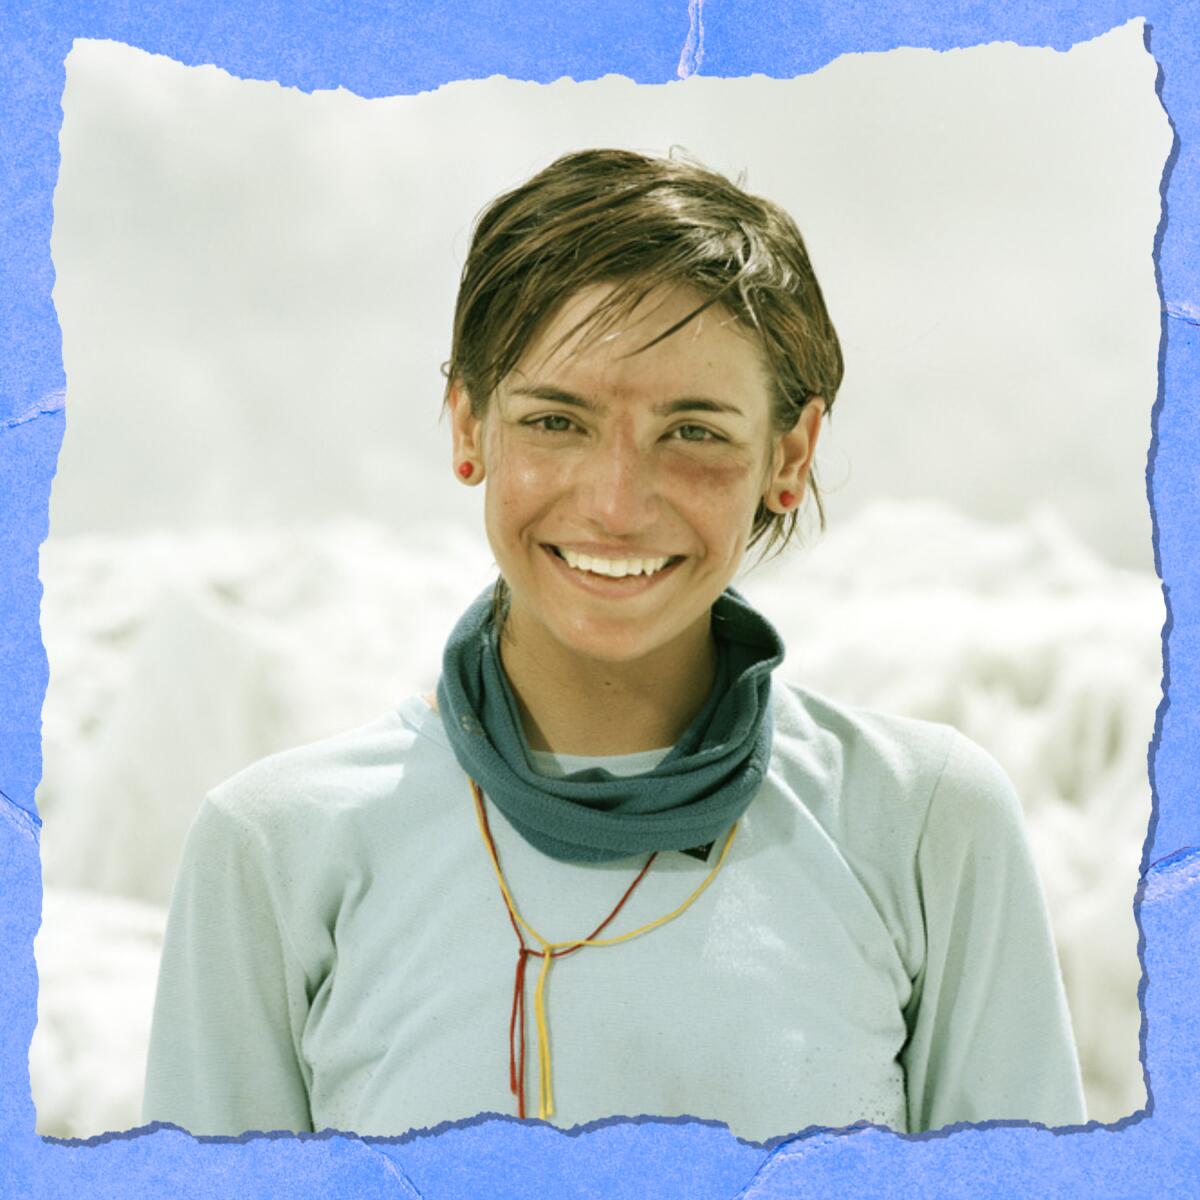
[(621, 486)]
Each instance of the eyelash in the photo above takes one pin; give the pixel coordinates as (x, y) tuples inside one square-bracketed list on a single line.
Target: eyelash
[(538, 423)]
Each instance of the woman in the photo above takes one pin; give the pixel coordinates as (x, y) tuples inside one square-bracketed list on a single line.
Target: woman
[(774, 910)]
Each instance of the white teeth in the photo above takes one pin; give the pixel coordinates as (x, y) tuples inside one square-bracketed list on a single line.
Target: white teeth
[(616, 568)]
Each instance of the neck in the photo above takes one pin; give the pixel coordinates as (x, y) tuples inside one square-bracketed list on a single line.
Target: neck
[(575, 705)]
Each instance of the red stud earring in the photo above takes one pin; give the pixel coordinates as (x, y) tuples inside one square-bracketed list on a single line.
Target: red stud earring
[(466, 470), (787, 499)]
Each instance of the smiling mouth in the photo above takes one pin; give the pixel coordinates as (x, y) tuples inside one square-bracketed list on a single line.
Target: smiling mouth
[(626, 568)]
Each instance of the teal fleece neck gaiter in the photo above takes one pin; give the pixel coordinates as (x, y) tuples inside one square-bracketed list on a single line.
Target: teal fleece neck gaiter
[(696, 793)]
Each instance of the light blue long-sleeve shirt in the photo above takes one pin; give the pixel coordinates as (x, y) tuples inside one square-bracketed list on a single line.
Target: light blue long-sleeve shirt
[(875, 947)]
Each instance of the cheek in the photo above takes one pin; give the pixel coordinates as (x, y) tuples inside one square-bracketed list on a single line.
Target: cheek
[(521, 483), (731, 479), (720, 498), (525, 484)]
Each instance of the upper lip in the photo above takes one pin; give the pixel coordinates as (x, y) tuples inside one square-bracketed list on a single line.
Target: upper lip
[(610, 552)]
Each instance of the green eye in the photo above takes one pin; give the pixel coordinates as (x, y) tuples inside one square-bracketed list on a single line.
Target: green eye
[(543, 423), (696, 433)]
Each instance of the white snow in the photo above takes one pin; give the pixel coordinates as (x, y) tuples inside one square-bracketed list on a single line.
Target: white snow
[(175, 660), (97, 960)]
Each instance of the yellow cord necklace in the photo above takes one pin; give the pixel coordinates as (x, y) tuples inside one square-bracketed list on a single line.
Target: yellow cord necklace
[(551, 950)]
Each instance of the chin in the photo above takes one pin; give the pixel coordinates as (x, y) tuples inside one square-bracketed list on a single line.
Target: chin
[(613, 639)]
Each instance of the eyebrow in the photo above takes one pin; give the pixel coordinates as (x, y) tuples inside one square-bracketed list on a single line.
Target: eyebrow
[(666, 409)]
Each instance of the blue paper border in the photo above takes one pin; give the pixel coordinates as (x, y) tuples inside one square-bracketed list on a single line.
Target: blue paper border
[(378, 49)]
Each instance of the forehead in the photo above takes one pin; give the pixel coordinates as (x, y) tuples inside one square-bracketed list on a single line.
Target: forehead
[(582, 341)]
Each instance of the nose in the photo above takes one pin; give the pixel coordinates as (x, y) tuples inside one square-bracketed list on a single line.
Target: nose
[(618, 491)]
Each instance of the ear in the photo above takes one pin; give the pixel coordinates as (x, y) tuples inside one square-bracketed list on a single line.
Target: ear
[(466, 431), (793, 457)]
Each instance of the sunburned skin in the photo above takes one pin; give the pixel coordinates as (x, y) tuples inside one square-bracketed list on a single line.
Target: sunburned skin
[(604, 448)]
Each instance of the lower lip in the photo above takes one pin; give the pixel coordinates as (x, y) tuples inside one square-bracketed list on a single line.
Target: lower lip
[(605, 585)]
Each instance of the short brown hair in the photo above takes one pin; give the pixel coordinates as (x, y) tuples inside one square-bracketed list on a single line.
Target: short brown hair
[(639, 222)]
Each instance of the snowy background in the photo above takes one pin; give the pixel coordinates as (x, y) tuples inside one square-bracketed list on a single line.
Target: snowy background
[(256, 539)]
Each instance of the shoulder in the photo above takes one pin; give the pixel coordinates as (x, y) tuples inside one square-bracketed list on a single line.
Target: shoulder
[(974, 808), (893, 759), (896, 773), (334, 781), (293, 838), (913, 807)]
